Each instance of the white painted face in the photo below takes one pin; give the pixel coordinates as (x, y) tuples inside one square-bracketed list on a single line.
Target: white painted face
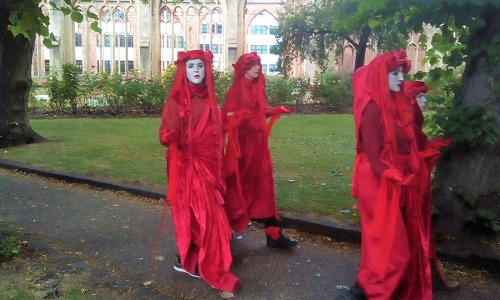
[(253, 72), (395, 78), (195, 71), (421, 100)]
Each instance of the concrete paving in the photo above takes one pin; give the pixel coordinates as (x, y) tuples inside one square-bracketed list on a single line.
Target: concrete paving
[(115, 233)]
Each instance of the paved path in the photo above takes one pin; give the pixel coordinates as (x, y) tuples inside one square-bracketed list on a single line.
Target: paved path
[(115, 232)]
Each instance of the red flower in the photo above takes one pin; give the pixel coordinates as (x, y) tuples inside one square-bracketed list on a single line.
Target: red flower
[(150, 80), (311, 88), (130, 78), (44, 82), (101, 81), (93, 66)]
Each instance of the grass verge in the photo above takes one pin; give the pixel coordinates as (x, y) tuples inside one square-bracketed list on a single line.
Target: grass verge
[(313, 156)]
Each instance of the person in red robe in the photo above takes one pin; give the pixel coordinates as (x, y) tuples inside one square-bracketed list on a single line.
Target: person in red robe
[(384, 178), (191, 129), (429, 152), (248, 164)]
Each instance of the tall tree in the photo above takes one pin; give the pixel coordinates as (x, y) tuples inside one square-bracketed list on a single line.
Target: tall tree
[(15, 77), (468, 180), (319, 28), (20, 21)]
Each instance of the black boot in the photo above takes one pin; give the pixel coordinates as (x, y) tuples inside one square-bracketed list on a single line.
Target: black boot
[(276, 239), (354, 292)]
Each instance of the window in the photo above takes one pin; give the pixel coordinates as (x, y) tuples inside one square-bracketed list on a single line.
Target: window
[(107, 65), (130, 65), (80, 68), (122, 40), (78, 40), (273, 29), (264, 69), (260, 49), (98, 41), (180, 42), (204, 47), (122, 66), (107, 40), (47, 67), (258, 29), (219, 28), (204, 28), (215, 49), (273, 49), (273, 68), (130, 41)]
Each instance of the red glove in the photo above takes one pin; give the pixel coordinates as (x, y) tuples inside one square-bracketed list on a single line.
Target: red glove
[(238, 118), (280, 110), (393, 174), (410, 180), (168, 136)]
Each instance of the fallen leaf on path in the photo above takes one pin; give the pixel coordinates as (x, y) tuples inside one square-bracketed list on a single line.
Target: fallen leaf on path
[(227, 295)]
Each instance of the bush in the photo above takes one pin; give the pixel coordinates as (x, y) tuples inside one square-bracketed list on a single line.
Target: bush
[(223, 81), (333, 89), (279, 91), (9, 245), (64, 88), (167, 79)]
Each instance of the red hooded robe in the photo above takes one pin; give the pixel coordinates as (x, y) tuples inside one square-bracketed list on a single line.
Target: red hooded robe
[(429, 152), (384, 177), (191, 128), (248, 163)]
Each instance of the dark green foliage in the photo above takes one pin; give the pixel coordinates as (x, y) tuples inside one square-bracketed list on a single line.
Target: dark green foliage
[(64, 88), (9, 244), (279, 91), (334, 89), (223, 80)]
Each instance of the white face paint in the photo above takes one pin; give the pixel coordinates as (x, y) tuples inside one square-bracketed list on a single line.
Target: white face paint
[(395, 78), (421, 100), (195, 71), (253, 72)]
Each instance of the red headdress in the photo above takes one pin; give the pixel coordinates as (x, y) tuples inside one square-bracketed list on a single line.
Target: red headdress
[(245, 63), (412, 89), (182, 90), (415, 87)]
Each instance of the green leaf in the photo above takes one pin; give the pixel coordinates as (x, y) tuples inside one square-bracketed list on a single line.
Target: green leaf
[(374, 22), (77, 17), (92, 15), (47, 42), (66, 11), (95, 26)]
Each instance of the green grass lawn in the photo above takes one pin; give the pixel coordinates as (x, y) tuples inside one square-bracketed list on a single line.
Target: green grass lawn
[(313, 156)]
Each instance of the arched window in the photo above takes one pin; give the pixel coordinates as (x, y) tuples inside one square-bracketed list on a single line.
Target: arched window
[(165, 35)]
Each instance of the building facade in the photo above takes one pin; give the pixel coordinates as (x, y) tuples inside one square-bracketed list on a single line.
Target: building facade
[(147, 37)]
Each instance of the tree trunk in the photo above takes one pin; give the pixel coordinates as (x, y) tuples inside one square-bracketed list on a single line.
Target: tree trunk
[(473, 176), (15, 82), (361, 49)]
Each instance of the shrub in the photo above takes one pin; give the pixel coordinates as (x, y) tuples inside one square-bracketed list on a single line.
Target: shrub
[(223, 81), (9, 244), (64, 88), (333, 89), (279, 91), (167, 79)]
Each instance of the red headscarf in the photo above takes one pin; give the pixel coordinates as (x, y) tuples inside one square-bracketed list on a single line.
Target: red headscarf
[(412, 89), (182, 90), (245, 63), (370, 83), (415, 87)]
